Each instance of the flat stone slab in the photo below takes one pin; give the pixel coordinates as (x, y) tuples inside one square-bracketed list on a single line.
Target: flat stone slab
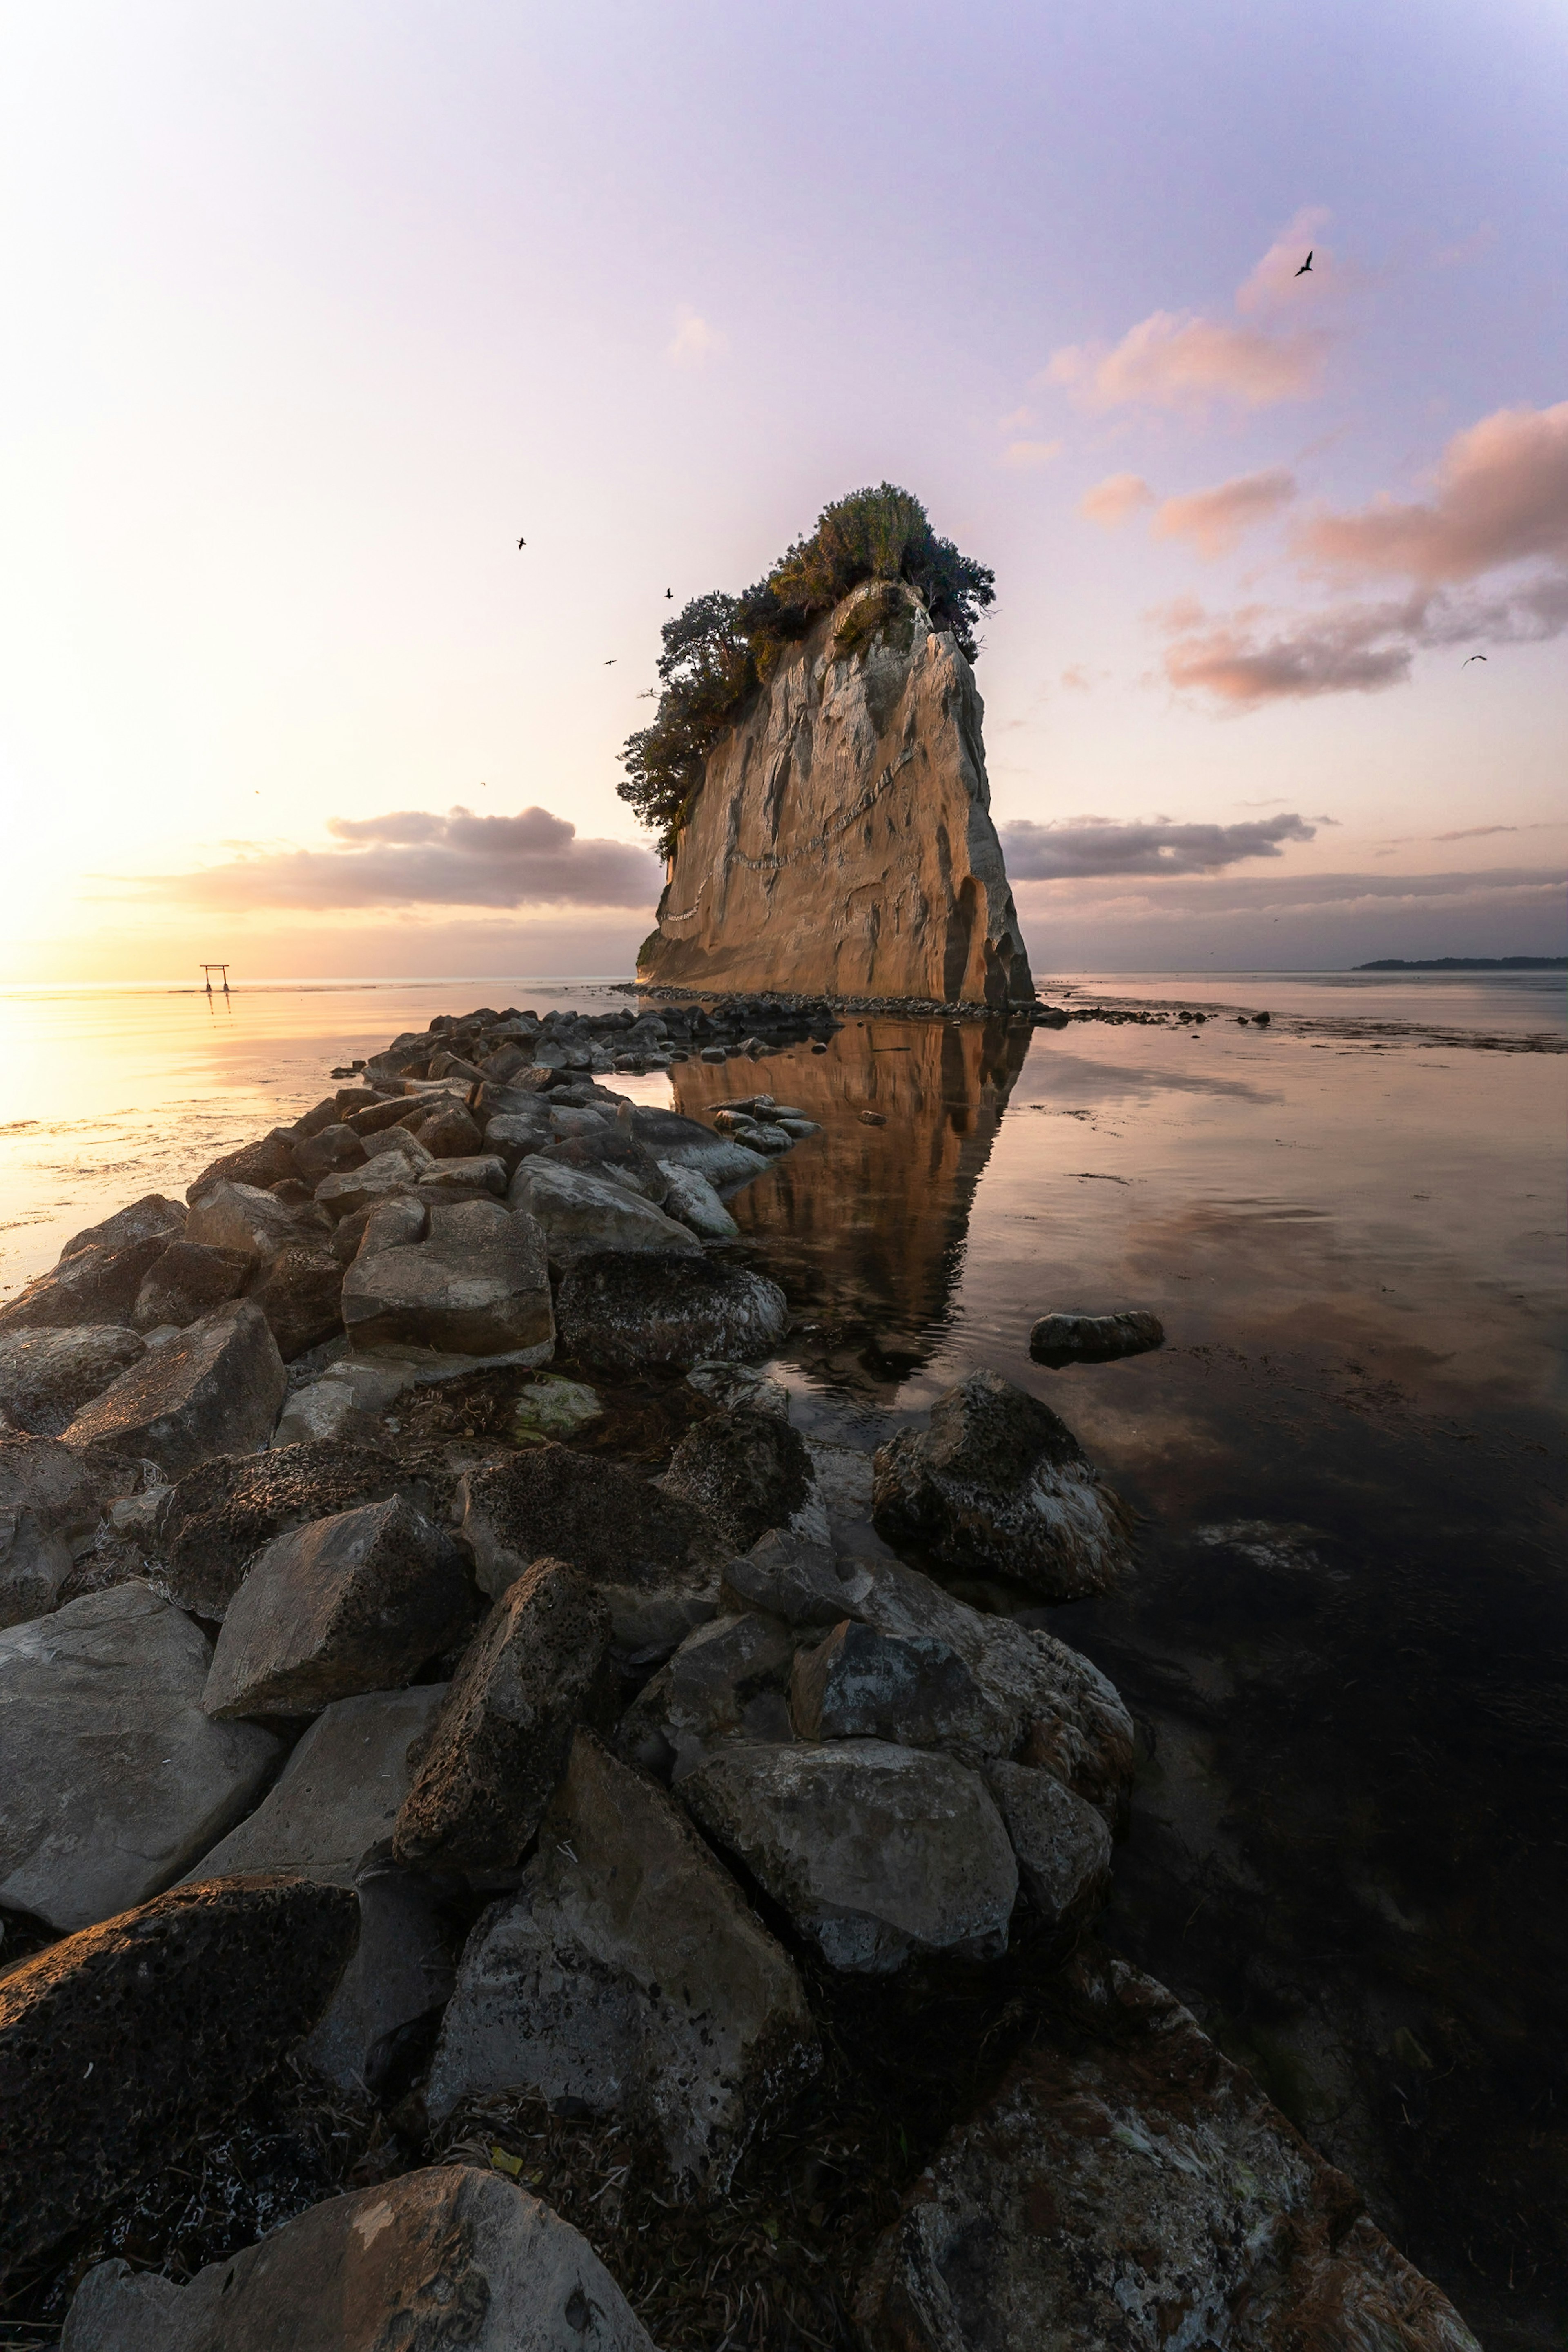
[(216, 1389), (112, 1779), (446, 2257), (329, 1814), (629, 1973)]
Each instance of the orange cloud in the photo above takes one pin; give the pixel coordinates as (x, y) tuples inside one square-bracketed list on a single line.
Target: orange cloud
[(1213, 520), (1501, 496), (1168, 362), (1024, 456), (1109, 502)]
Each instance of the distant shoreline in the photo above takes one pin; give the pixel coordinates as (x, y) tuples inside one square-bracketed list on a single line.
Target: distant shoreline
[(1466, 963)]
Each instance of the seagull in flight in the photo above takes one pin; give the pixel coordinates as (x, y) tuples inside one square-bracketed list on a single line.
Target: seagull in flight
[(1470, 659), (611, 662), (669, 595), (1308, 263), (522, 542)]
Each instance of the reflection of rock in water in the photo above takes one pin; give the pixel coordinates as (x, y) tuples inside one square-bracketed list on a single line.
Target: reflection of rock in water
[(864, 1224)]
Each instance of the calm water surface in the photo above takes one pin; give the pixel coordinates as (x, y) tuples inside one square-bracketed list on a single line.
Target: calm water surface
[(1347, 1639)]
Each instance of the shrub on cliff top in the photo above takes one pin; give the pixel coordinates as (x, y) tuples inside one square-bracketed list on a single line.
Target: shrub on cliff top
[(721, 648)]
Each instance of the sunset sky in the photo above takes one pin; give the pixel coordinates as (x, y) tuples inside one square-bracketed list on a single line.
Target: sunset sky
[(311, 309)]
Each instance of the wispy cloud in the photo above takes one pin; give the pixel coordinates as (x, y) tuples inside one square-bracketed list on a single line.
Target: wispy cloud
[(1089, 845), (1024, 456), (1501, 496), (412, 857), (1275, 281), (1213, 520), (695, 341), (1110, 502)]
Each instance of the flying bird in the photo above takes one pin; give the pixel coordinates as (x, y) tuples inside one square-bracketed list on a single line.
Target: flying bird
[(1470, 659), (669, 595), (1308, 263), (611, 662), (522, 542)]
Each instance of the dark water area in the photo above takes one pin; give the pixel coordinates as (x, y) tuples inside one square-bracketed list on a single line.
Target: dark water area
[(1346, 1644)]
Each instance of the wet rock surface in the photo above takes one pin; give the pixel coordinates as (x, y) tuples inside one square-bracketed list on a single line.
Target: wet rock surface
[(749, 1471), (595, 1516), (1094, 1338)]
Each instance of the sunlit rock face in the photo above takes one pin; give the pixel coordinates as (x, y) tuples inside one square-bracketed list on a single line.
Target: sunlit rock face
[(842, 842)]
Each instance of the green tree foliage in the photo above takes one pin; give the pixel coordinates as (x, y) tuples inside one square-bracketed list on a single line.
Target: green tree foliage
[(721, 648)]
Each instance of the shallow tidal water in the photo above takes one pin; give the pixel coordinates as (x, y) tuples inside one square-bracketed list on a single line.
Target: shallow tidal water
[(1346, 1645)]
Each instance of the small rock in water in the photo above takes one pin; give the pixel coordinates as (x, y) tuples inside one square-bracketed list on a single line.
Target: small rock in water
[(1059, 1339), (873, 1118)]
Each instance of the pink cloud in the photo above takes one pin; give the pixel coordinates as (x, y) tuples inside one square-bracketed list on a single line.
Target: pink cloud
[(1023, 457), (1168, 362), (1502, 495), (1109, 502), (1213, 520)]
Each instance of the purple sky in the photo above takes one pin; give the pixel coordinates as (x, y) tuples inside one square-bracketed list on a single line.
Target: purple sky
[(312, 310)]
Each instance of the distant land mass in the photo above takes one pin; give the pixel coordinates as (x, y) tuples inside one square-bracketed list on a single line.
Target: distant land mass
[(1466, 963)]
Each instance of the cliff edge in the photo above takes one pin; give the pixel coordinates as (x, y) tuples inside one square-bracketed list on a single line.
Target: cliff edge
[(842, 842)]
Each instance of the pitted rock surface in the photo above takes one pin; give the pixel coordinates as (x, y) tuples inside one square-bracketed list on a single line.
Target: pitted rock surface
[(592, 1514), (222, 1512), (626, 1313)]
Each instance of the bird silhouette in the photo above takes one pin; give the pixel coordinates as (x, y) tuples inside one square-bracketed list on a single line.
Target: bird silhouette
[(1470, 659), (522, 542), (669, 595), (1308, 263), (611, 662)]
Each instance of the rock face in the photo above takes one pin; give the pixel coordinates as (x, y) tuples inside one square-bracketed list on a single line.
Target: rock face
[(47, 1376), (478, 1286), (47, 1506), (112, 1780), (222, 1512), (843, 841), (626, 1312), (119, 2045), (215, 1390), (1142, 2192), (629, 1974), (446, 2257)]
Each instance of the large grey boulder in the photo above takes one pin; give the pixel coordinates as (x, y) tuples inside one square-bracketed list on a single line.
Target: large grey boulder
[(1063, 1844), (1135, 2188), (594, 1515), (387, 1176), (998, 1484), (49, 1506), (153, 1218), (581, 1213), (627, 1312), (478, 1286), (681, 1143), (100, 1270), (492, 1761), (513, 1135), (259, 1165), (112, 1779), (628, 1973), (121, 2045), (446, 2257), (189, 1280), (696, 1203), (598, 1144), (222, 1513), (874, 1851), (326, 1152), (858, 1683), (329, 1814), (445, 1181), (344, 1404), (242, 1217), (400, 1978), (357, 1603), (749, 1471), (215, 1390), (47, 1375), (300, 1293), (726, 1681)]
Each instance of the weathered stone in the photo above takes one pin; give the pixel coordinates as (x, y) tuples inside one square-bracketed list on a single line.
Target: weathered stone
[(328, 1153), (608, 1147), (478, 1286), (728, 1385), (627, 1974), (48, 1504), (357, 1603), (581, 1213), (152, 1218), (694, 1201), (387, 1177), (749, 1471), (112, 1780), (400, 1978), (343, 1405), (726, 1681), (399, 1147), (216, 1389), (858, 1683), (187, 1281), (242, 1217), (792, 1577), (594, 1515), (679, 1142), (222, 1512), (329, 1814), (1063, 1844), (501, 1742), (843, 840), (999, 1484), (1137, 2189), (121, 2045), (514, 1135), (1094, 1339), (450, 1133), (96, 1283), (300, 1293), (47, 1376), (446, 2257), (874, 1851), (553, 1407), (385, 1225), (625, 1313), (254, 1165), (445, 1181)]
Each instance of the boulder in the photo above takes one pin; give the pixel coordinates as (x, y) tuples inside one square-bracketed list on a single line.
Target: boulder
[(606, 1146), (627, 1313), (500, 1744), (749, 1471), (791, 1576), (187, 1281), (49, 1504), (152, 1218), (241, 1217), (254, 1165), (95, 1283), (399, 1980), (858, 1683), (300, 1293), (216, 1389), (343, 1405), (385, 1225), (1059, 1339), (327, 1153), (112, 1780), (122, 2043), (387, 1177), (594, 1515), (681, 1143), (726, 1681), (329, 1814), (478, 1286), (222, 1512), (627, 1974), (1127, 2186), (581, 1213), (875, 1852), (1063, 1844), (728, 1385), (47, 1376), (357, 1603), (451, 1133), (513, 1135), (445, 1181), (400, 1143), (446, 2257), (695, 1202), (999, 1485)]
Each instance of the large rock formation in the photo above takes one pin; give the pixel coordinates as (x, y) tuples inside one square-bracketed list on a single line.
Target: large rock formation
[(843, 841)]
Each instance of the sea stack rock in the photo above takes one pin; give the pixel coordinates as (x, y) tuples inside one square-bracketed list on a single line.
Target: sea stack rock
[(842, 842)]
